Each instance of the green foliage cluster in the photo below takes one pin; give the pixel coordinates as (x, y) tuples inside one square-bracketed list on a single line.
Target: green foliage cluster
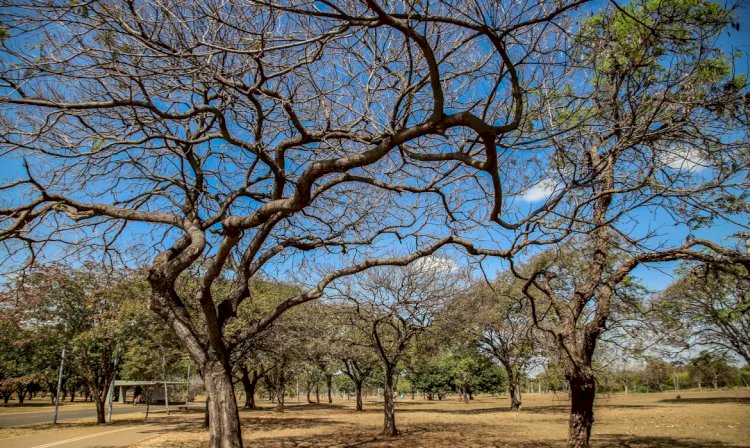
[(99, 317), (447, 372)]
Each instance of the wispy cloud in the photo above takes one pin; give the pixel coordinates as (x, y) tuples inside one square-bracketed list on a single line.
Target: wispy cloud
[(541, 190), (437, 264), (684, 159)]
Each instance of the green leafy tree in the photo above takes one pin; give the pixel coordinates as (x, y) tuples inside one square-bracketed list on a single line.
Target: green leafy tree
[(710, 367), (95, 313), (657, 373)]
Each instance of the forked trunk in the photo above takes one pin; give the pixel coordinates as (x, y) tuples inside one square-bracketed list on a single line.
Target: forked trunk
[(389, 423), (223, 415), (249, 385), (582, 394), (358, 388)]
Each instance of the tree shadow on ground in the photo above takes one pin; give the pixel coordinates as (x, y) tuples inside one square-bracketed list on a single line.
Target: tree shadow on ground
[(708, 400), (630, 441), (552, 409), (281, 422), (316, 406), (38, 404), (462, 435)]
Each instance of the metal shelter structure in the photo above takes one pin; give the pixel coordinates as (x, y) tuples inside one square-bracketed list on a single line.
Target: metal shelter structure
[(157, 386)]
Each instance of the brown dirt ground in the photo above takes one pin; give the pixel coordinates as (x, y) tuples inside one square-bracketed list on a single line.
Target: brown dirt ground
[(699, 419)]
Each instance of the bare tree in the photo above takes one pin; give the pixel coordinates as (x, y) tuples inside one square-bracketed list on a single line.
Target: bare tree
[(220, 138), (358, 366), (708, 307), (225, 139), (504, 329), (645, 134), (392, 305)]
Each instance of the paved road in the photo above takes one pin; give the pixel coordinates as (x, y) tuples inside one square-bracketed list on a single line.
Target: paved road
[(88, 437), (33, 418)]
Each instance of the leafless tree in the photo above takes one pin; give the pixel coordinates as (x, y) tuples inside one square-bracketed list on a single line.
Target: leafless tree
[(222, 138), (504, 328), (228, 139), (644, 134), (391, 306), (225, 138), (707, 306)]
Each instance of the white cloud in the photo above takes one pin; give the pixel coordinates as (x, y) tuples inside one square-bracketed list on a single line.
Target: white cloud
[(436, 264), (541, 190), (684, 159)]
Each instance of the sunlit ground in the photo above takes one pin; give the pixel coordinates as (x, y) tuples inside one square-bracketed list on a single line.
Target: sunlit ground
[(699, 419)]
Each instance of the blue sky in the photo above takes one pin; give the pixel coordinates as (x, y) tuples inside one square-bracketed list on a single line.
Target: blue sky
[(655, 277)]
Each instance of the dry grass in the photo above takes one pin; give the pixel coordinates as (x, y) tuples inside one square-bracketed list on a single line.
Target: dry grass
[(699, 419)]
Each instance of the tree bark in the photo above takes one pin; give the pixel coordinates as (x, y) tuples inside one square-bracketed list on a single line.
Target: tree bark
[(515, 395), (582, 393), (280, 392), (358, 390), (206, 420), (329, 385), (223, 415), (100, 408), (389, 414), (249, 385)]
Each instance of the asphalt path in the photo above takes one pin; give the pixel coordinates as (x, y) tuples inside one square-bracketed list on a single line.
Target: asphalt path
[(89, 437), (34, 418)]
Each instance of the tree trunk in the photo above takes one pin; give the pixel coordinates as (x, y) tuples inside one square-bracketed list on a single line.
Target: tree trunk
[(317, 393), (223, 415), (249, 386), (100, 408), (582, 394), (329, 385), (358, 389), (389, 422), (280, 393), (515, 392), (206, 420)]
